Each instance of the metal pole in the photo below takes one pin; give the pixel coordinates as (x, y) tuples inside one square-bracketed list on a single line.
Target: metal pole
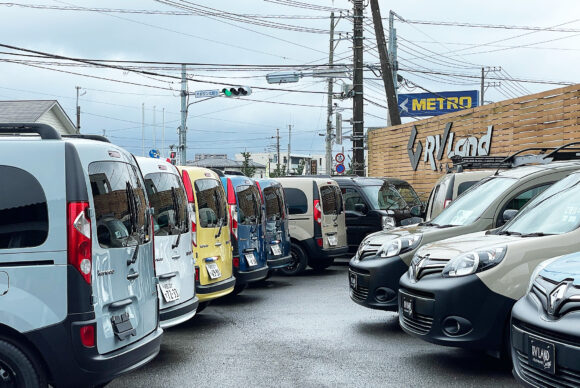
[(143, 129), (328, 161), (154, 129), (357, 101), (78, 88), (482, 86), (289, 139), (163, 133), (278, 151), (182, 129)]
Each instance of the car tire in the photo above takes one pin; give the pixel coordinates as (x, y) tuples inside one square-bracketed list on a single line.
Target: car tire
[(18, 368), (320, 264), (238, 288), (299, 261)]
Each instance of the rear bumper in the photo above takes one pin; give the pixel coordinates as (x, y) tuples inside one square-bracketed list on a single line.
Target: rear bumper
[(316, 252), (70, 364), (212, 291), (279, 262), (245, 277), (180, 313)]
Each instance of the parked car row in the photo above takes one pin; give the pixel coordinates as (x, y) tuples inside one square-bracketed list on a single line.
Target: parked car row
[(454, 280)]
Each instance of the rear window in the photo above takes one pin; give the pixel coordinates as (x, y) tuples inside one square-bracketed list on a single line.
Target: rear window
[(464, 186), (249, 205), (23, 210), (167, 198), (409, 194), (211, 203), (297, 201), (120, 204), (331, 199), (274, 203)]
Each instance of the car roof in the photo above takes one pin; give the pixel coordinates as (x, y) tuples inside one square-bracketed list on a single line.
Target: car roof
[(523, 171), (267, 182), (153, 165), (195, 172), (306, 179), (238, 180)]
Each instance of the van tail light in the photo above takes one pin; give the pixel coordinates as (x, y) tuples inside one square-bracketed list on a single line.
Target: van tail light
[(197, 274), (191, 202), (446, 203), (234, 220), (79, 243), (87, 334), (319, 241), (317, 212), (231, 193), (236, 261), (193, 229)]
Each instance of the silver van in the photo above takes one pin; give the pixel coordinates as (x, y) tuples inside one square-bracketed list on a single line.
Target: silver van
[(78, 299), (316, 221), (174, 263)]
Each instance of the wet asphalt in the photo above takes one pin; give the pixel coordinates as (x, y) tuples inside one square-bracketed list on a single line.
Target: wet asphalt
[(305, 331)]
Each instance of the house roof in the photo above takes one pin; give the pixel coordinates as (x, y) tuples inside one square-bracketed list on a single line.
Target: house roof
[(222, 163), (30, 111)]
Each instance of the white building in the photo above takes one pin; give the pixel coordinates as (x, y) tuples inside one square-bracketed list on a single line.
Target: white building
[(37, 111), (269, 159)]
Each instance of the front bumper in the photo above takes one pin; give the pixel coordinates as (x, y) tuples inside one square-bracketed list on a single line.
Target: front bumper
[(207, 292), (377, 282), (459, 312), (530, 321), (279, 262), (177, 314), (245, 277)]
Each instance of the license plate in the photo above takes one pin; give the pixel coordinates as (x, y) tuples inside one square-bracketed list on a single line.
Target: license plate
[(213, 271), (408, 306), (353, 281), (542, 355), (170, 293), (251, 259), (276, 251), (332, 240)]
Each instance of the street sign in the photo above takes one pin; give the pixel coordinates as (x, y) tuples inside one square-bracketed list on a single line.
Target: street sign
[(154, 154), (434, 104), (339, 157), (340, 168), (207, 93)]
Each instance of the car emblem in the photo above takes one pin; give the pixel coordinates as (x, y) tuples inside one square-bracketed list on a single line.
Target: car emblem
[(416, 266), (556, 296)]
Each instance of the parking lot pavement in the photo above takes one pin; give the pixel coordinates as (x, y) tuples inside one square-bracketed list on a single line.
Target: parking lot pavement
[(305, 331)]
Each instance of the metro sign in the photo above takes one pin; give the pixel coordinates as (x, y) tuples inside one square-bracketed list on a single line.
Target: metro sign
[(434, 104)]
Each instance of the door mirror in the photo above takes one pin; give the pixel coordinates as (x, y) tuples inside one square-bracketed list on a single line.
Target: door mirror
[(361, 208), (508, 214), (416, 211)]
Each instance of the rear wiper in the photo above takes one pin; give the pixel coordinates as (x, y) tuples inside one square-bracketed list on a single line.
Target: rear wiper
[(221, 224), (508, 233), (537, 234)]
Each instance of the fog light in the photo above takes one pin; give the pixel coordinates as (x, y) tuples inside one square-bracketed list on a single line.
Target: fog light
[(456, 326), (383, 294)]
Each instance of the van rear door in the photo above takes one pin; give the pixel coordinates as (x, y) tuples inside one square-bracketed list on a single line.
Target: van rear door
[(333, 217), (124, 283)]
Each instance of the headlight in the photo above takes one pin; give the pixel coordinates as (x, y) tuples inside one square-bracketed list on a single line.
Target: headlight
[(539, 269), (388, 222), (399, 245), (476, 261)]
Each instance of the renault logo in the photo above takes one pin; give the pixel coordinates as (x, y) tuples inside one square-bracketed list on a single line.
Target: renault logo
[(556, 296), (416, 266)]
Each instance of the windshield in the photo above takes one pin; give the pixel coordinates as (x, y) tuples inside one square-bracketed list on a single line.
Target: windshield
[(555, 211), (274, 203), (384, 197), (469, 207), (211, 203), (409, 194), (249, 205), (167, 198)]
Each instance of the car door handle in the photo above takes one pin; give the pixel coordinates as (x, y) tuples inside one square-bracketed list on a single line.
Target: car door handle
[(254, 237), (168, 275), (175, 257), (133, 276), (218, 244), (121, 303)]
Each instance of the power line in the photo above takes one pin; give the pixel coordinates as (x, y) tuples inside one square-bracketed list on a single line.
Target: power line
[(494, 26)]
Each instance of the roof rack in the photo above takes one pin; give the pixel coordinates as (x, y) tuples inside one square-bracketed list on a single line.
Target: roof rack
[(45, 131), (88, 137)]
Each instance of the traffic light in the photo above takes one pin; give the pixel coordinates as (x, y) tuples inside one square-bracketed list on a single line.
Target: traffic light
[(237, 91), (172, 156)]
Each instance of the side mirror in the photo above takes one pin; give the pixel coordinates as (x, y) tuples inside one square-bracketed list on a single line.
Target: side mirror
[(416, 211), (361, 208), (508, 214)]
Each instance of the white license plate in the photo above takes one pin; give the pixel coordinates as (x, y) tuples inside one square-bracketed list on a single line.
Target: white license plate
[(251, 259), (213, 271), (276, 250), (170, 293), (332, 240), (353, 281)]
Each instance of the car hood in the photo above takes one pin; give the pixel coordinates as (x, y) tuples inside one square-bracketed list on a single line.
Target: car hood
[(455, 246), (566, 267), (383, 236)]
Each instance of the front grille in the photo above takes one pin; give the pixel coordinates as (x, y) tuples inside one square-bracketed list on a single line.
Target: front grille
[(562, 378), (420, 324), (360, 293), (367, 254), (548, 335), (431, 266)]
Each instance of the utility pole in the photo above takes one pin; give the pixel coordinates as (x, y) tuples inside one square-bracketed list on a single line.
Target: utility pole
[(154, 129), (484, 86), (182, 148), (328, 164), (386, 69), (358, 162), (289, 140), (163, 132), (143, 129), (278, 151), (78, 88)]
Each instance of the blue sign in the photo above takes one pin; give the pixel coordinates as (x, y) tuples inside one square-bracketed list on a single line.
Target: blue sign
[(154, 154), (434, 104), (207, 93), (340, 168)]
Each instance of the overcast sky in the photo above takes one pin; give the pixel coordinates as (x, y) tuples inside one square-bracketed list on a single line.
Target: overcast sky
[(229, 126)]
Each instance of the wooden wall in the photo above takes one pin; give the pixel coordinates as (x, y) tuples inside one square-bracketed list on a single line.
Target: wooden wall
[(550, 118)]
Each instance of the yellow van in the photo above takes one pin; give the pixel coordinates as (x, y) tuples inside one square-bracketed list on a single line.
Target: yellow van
[(212, 249)]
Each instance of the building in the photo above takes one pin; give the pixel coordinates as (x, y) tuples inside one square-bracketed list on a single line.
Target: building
[(226, 165), (269, 159), (37, 111)]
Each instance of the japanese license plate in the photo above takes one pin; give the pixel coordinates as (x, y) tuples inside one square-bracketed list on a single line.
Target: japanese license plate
[(542, 355), (332, 240), (170, 293), (352, 280), (251, 259), (408, 304), (213, 270), (276, 250)]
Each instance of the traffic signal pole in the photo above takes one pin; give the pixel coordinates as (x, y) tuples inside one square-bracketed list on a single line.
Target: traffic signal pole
[(182, 148), (358, 161)]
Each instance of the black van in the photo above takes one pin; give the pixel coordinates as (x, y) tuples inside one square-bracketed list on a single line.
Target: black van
[(375, 204)]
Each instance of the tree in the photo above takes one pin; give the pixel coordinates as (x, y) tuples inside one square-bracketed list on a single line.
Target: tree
[(247, 169), (300, 168), (279, 171)]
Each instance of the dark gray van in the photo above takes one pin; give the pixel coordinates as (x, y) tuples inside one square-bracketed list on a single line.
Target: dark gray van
[(78, 299)]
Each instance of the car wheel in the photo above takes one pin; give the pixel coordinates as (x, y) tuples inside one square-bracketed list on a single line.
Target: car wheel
[(17, 369), (238, 288), (320, 264), (298, 263)]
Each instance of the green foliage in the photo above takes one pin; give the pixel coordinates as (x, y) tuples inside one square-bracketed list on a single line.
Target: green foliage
[(300, 168), (247, 170), (279, 171)]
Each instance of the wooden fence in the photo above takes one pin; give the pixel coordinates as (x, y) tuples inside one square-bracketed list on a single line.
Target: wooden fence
[(550, 118)]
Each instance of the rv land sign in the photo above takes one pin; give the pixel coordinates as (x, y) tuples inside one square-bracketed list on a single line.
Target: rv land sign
[(434, 104)]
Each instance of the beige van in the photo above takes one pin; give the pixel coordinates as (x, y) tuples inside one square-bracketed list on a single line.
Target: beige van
[(317, 222)]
